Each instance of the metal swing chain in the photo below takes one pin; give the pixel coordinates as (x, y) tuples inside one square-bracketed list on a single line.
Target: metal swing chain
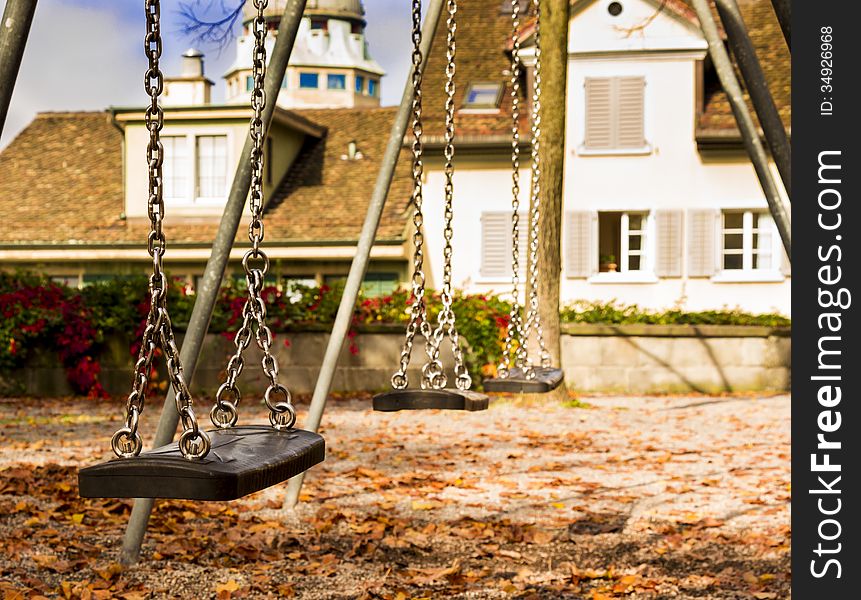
[(434, 375), (533, 316), (255, 262), (514, 341), (418, 310), (126, 442)]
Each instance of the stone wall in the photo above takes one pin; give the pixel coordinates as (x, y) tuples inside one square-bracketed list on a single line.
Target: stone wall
[(596, 358)]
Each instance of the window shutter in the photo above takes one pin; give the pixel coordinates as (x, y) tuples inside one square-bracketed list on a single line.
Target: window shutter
[(668, 229), (630, 96), (599, 118), (578, 243), (701, 242), (495, 244)]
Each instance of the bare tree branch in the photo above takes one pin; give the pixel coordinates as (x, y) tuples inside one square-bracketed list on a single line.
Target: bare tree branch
[(217, 32)]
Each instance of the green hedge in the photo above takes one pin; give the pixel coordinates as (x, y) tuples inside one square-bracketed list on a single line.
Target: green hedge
[(37, 312)]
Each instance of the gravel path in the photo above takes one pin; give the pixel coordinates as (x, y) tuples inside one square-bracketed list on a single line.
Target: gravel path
[(628, 497)]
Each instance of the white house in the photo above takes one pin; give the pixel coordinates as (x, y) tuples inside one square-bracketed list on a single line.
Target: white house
[(662, 207), (656, 180)]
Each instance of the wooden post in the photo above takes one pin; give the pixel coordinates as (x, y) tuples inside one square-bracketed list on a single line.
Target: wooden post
[(554, 76)]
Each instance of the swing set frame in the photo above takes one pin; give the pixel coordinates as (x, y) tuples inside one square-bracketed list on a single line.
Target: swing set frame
[(16, 23)]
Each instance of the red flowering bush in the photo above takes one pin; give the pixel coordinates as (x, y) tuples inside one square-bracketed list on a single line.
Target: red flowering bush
[(37, 312)]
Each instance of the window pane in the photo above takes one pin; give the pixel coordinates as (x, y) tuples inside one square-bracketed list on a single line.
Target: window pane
[(635, 222), (212, 166), (732, 261), (360, 84), (249, 83), (634, 262), (733, 220), (309, 80), (175, 169), (372, 87), (609, 241), (733, 241), (635, 242), (336, 82), (483, 94)]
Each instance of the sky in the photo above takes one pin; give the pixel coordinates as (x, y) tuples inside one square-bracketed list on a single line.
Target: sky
[(88, 54)]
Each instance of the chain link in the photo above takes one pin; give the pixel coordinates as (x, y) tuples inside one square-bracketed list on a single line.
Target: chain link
[(433, 373), (418, 323), (126, 442), (514, 340), (255, 262), (533, 316)]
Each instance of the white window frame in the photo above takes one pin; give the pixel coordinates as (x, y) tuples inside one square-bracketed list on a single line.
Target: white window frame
[(646, 272), (191, 200), (747, 273)]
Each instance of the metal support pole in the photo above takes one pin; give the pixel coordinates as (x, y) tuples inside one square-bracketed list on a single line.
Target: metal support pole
[(783, 10), (743, 118), (215, 267), (14, 29), (757, 87), (363, 249)]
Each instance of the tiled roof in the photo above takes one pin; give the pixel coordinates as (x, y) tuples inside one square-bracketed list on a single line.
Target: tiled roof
[(325, 196), (483, 47), (61, 183), (767, 38), (61, 180)]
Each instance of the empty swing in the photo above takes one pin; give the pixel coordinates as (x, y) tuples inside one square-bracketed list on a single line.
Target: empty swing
[(230, 461), (433, 393), (523, 376)]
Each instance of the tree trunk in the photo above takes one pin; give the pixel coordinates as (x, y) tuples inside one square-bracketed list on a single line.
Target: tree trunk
[(554, 75)]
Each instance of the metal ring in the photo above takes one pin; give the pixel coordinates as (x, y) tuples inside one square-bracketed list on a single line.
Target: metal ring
[(126, 444), (284, 419), (278, 410), (194, 445), (251, 254), (463, 382), (399, 381), (224, 415)]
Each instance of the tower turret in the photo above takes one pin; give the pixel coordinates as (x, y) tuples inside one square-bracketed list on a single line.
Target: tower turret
[(330, 66)]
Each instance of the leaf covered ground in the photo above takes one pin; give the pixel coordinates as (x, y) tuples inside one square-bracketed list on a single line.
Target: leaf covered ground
[(671, 497)]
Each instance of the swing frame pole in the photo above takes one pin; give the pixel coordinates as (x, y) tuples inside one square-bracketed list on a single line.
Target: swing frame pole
[(783, 11), (757, 87), (744, 120), (368, 235), (14, 31), (216, 266)]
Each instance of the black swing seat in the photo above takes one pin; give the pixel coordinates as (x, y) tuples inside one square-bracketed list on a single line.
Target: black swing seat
[(242, 460), (546, 379), (445, 399)]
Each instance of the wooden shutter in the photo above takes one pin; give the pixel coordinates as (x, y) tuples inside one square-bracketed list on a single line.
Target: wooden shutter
[(599, 117), (578, 244), (668, 246), (495, 244), (702, 224), (629, 100), (615, 113)]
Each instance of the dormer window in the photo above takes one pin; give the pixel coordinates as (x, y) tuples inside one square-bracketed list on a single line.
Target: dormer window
[(483, 95), (195, 169), (360, 84), (320, 24), (372, 87)]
